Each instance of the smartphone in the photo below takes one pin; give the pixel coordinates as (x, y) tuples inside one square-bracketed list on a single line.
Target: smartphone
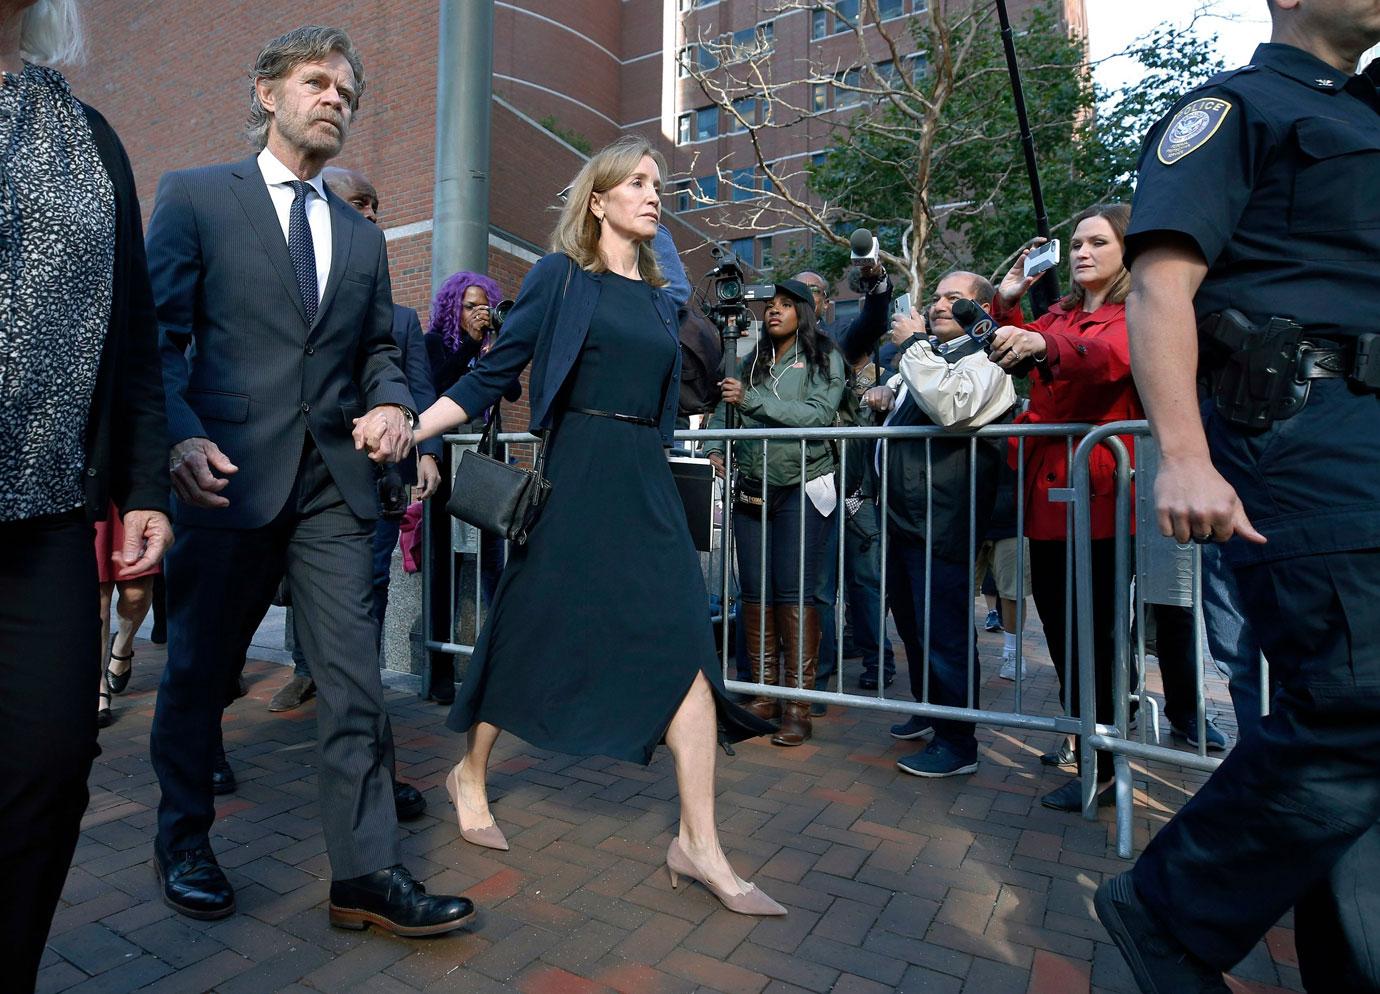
[(901, 305), (1042, 258)]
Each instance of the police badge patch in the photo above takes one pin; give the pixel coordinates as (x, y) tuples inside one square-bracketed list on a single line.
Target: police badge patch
[(1195, 123)]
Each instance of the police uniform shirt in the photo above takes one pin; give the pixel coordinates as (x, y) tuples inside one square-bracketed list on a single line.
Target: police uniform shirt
[(1273, 172)]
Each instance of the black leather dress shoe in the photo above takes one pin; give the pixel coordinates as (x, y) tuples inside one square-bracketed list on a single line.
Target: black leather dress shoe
[(222, 776), (193, 883), (408, 800), (393, 901)]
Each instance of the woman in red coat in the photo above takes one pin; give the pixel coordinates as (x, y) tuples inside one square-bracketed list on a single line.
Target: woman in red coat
[(1081, 374)]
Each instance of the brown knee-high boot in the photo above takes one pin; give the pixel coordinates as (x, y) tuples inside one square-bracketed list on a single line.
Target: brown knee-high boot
[(759, 623), (795, 671)]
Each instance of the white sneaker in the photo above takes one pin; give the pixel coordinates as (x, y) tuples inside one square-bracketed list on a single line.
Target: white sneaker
[(1008, 666)]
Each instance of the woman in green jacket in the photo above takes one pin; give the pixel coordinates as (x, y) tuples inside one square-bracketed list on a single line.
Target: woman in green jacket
[(795, 379)]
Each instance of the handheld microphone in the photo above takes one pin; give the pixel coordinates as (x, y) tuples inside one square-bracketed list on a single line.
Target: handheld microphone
[(981, 329), (976, 322), (863, 248)]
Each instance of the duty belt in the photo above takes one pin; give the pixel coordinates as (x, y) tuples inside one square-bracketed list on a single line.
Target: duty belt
[(1357, 360)]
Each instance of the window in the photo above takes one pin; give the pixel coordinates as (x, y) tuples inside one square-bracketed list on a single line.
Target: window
[(706, 122), (683, 130), (848, 97), (705, 58), (746, 108), (751, 42), (919, 65), (848, 15), (817, 158), (765, 258), (744, 184), (819, 97), (708, 187), (819, 24), (685, 61), (743, 249), (682, 199), (888, 9)]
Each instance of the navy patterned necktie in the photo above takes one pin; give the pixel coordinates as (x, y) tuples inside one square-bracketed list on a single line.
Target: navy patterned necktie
[(301, 249)]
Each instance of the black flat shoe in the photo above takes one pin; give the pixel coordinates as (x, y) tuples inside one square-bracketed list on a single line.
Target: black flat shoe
[(1069, 797), (119, 681), (408, 800), (868, 681), (222, 776), (1063, 756), (104, 716), (391, 900), (193, 884)]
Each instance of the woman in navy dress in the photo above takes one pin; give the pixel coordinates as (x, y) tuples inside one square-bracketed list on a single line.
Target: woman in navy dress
[(599, 640)]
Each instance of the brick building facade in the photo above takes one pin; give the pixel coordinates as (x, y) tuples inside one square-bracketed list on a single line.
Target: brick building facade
[(173, 79)]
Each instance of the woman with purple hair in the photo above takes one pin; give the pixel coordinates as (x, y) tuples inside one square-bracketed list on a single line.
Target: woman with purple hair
[(461, 331), (461, 327)]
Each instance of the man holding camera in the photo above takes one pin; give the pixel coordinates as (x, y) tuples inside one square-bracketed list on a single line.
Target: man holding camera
[(947, 381)]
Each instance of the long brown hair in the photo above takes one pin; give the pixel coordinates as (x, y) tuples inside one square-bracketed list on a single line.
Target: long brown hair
[(1119, 217), (577, 232)]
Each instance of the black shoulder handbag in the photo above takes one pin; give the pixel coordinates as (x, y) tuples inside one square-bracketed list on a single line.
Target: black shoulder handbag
[(499, 498)]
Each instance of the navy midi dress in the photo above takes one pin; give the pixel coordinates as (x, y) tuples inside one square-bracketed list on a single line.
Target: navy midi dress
[(601, 620)]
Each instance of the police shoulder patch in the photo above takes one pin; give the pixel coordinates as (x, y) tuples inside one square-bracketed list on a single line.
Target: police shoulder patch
[(1192, 128)]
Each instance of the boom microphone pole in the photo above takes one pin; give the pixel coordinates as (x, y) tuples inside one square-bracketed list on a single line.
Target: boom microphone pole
[(1046, 291)]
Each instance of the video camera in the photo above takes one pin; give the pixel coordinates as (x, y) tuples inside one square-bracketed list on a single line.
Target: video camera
[(730, 295)]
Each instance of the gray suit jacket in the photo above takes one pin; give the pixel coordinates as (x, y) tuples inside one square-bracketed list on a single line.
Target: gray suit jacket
[(241, 366)]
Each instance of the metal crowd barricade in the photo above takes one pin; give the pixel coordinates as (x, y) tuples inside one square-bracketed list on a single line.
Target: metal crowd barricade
[(1165, 573), (885, 437), (440, 542)]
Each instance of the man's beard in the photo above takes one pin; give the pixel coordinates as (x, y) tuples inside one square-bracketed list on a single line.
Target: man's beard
[(301, 133)]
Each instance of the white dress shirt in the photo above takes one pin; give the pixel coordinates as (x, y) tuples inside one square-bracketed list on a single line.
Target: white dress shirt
[(279, 179)]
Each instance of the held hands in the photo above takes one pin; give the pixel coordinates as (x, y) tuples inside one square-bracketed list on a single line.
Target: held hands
[(192, 464), (1015, 283), (903, 326), (1194, 503), (1013, 346), (428, 477), (148, 534), (383, 433), (732, 390)]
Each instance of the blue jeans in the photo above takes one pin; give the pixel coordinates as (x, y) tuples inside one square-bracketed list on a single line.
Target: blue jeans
[(950, 634), (1231, 641), (862, 586), (385, 541)]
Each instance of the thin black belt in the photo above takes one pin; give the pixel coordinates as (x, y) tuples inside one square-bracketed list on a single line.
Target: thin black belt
[(629, 418)]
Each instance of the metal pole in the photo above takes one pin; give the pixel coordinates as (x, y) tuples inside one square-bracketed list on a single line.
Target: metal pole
[(1046, 291), (464, 77)]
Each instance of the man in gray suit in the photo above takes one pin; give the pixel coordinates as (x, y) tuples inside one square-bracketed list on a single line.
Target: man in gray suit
[(281, 375)]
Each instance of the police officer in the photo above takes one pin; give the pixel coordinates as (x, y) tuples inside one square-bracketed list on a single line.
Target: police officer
[(1257, 219)]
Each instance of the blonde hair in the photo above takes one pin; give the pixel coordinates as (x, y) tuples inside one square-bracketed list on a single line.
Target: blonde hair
[(577, 232), (1118, 216), (51, 33)]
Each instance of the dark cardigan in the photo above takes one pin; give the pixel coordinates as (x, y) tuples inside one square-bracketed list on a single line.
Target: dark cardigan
[(127, 430)]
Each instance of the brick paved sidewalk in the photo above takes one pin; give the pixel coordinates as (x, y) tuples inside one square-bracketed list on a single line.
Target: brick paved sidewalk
[(893, 883)]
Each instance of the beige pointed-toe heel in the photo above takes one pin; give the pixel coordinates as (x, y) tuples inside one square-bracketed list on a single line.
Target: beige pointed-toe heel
[(488, 837), (750, 902)]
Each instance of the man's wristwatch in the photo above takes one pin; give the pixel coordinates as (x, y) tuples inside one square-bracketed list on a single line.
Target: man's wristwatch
[(411, 418)]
